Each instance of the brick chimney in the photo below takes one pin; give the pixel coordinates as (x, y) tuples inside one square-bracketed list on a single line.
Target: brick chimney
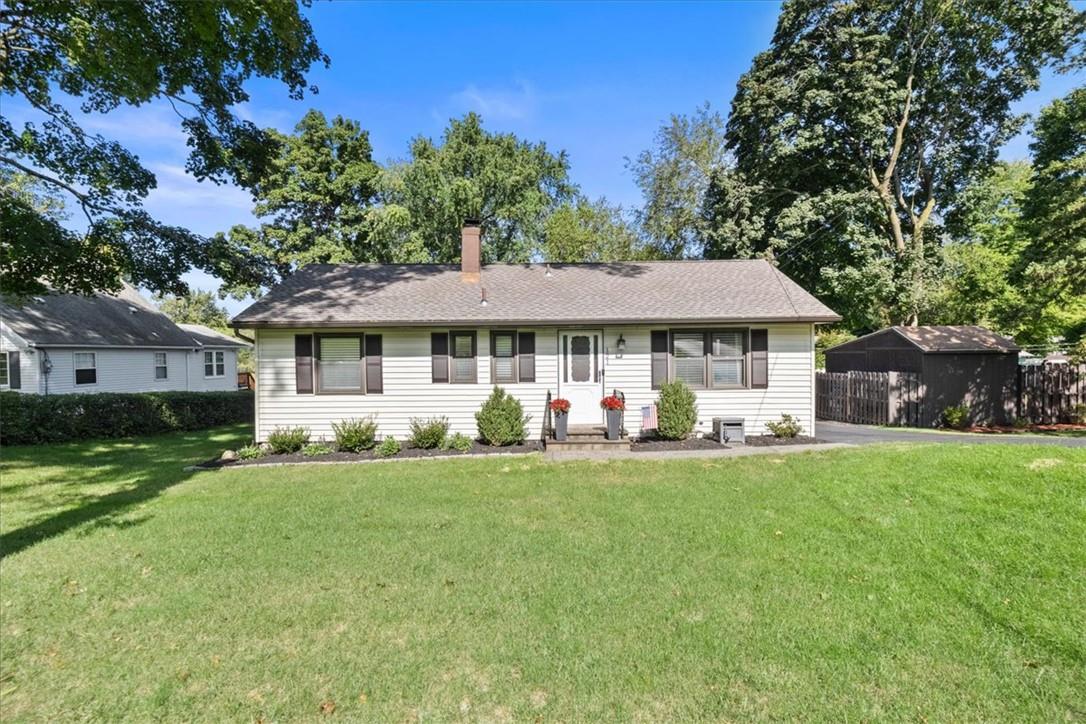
[(470, 251)]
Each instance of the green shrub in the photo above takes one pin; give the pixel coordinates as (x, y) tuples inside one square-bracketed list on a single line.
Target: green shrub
[(501, 419), (286, 440), (314, 449), (676, 411), (27, 419), (428, 434), (956, 416), (787, 426), (389, 446), (459, 441), (1077, 414), (251, 452), (355, 435), (1021, 423)]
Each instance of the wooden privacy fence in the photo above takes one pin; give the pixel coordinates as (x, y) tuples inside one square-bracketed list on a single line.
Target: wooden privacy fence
[(869, 398), (1049, 393), (1045, 394)]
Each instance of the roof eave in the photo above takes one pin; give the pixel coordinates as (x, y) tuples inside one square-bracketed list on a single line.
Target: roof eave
[(288, 324)]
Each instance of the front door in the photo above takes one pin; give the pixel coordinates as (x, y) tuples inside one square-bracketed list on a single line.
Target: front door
[(580, 379)]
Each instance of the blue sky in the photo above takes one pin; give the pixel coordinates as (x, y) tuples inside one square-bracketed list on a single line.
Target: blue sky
[(596, 80)]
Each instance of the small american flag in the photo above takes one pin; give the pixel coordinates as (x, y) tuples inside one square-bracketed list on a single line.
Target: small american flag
[(648, 417)]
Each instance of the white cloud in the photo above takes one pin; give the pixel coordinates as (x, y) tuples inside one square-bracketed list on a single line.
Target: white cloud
[(515, 103), (201, 206)]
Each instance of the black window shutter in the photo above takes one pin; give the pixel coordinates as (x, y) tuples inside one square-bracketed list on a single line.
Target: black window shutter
[(526, 356), (659, 359), (303, 363), (439, 357), (374, 368), (15, 374), (759, 358)]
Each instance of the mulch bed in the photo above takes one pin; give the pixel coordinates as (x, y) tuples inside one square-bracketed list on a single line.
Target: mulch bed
[(706, 443), (1035, 429), (477, 448)]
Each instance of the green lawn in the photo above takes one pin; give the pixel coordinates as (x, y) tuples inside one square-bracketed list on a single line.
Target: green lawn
[(936, 583)]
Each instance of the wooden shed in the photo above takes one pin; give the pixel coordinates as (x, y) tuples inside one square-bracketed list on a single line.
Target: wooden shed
[(959, 365)]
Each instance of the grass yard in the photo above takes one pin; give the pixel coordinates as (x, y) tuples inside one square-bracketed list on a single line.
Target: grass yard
[(915, 582)]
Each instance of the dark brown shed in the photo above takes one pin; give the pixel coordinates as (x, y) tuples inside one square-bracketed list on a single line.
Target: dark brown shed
[(956, 365)]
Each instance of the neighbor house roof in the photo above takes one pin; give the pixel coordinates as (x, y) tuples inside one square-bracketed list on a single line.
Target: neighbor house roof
[(124, 319), (958, 338), (423, 294), (208, 337)]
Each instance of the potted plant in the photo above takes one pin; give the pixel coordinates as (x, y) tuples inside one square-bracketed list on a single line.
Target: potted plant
[(614, 405), (560, 408)]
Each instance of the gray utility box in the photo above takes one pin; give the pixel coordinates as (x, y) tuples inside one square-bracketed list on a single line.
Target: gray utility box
[(728, 429)]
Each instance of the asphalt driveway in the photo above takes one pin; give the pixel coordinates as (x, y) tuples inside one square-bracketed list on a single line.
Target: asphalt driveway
[(868, 434)]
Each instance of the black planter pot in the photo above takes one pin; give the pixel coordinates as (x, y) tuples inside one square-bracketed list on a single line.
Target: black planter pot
[(561, 424), (614, 424)]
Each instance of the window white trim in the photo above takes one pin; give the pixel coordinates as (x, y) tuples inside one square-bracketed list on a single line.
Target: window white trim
[(214, 360), (5, 377), (76, 368), (164, 365)]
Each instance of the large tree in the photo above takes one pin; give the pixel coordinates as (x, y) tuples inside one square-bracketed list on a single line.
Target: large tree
[(673, 178), (509, 185), (591, 231), (312, 201), (862, 123), (100, 55), (195, 307)]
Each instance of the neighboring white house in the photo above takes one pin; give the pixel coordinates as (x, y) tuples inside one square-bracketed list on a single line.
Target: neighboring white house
[(404, 341), (67, 343)]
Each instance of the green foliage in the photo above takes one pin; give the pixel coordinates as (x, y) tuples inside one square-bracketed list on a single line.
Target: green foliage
[(676, 411), (194, 56), (389, 446), (1077, 414), (27, 419), (788, 426), (827, 338), (1077, 353), (854, 133), (674, 177), (315, 449), (195, 307), (286, 440), (458, 441), (510, 185), (355, 435), (590, 231), (956, 416), (428, 434), (251, 452), (313, 202), (501, 419)]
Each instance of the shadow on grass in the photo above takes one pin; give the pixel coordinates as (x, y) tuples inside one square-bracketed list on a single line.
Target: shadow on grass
[(96, 482)]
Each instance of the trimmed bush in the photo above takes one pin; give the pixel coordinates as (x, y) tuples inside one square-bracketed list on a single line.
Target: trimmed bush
[(787, 426), (355, 435), (501, 419), (286, 440), (956, 416), (251, 452), (676, 411), (35, 419), (389, 446), (459, 441), (428, 434)]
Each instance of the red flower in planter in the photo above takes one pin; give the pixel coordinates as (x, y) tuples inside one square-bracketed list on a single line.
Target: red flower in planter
[(559, 405), (612, 402)]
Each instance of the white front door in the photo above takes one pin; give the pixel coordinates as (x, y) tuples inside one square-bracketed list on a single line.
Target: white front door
[(580, 378)]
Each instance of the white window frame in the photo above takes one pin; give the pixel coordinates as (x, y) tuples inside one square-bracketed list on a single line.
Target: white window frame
[(5, 381), (76, 369), (218, 359), (165, 365)]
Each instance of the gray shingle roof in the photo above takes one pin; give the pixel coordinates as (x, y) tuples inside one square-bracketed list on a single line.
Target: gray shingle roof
[(103, 320), (960, 338), (208, 337), (423, 294)]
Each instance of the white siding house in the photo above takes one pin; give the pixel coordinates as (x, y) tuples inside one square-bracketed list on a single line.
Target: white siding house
[(398, 342), (64, 344)]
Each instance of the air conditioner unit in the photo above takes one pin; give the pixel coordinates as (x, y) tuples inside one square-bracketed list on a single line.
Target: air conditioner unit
[(728, 429)]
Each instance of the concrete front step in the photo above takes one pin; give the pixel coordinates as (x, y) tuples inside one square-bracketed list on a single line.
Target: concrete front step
[(587, 444)]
